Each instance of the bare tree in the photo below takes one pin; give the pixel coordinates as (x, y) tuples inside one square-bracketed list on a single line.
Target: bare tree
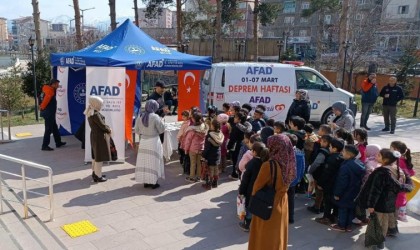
[(343, 28), (218, 40), (77, 22), (37, 22), (179, 27), (112, 14)]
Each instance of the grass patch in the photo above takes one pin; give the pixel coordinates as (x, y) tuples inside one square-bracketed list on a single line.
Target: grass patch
[(21, 119), (406, 109)]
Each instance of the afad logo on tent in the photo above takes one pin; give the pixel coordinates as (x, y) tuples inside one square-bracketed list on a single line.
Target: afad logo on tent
[(105, 90)]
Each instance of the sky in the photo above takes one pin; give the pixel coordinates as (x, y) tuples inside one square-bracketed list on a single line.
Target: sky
[(59, 10)]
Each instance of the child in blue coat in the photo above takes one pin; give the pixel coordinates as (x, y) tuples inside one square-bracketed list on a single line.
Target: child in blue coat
[(347, 187)]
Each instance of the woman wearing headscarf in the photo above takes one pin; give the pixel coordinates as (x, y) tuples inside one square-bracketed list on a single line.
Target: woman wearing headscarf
[(150, 164), (301, 106), (99, 130), (344, 117), (273, 233)]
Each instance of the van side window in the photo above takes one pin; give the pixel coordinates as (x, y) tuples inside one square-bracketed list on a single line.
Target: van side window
[(223, 78), (310, 81)]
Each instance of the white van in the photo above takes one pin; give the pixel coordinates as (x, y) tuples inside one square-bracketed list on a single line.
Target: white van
[(273, 85)]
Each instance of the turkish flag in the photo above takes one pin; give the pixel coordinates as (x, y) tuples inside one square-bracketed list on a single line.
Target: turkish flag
[(188, 90), (130, 92)]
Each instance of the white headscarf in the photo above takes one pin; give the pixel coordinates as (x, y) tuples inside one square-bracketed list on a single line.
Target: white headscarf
[(94, 103)]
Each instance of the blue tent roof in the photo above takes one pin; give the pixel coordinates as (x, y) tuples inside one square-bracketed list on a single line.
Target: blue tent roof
[(128, 46)]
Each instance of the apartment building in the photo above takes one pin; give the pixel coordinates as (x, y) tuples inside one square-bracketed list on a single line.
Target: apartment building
[(400, 24), (165, 20), (4, 35), (23, 28)]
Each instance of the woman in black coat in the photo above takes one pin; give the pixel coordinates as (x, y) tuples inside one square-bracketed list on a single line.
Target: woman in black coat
[(260, 153), (300, 106)]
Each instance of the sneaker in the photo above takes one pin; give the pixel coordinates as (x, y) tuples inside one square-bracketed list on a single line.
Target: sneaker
[(357, 221), (155, 186), (60, 144), (349, 229), (174, 113), (313, 209), (190, 179), (392, 132), (244, 227), (366, 127), (337, 228), (385, 129), (206, 186), (324, 221), (47, 148), (197, 179)]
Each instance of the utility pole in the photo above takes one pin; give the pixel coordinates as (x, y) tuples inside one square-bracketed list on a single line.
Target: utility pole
[(136, 13)]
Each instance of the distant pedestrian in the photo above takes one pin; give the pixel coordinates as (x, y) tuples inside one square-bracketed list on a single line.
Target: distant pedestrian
[(369, 95), (391, 95), (344, 117), (48, 109)]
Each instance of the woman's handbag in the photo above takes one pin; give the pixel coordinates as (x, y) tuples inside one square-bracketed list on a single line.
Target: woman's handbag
[(373, 235), (261, 204), (113, 149)]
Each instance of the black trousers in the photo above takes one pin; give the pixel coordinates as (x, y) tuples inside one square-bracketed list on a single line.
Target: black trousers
[(330, 209), (51, 128), (291, 201)]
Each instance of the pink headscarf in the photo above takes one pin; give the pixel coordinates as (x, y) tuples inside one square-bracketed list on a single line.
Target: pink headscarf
[(281, 150), (222, 118)]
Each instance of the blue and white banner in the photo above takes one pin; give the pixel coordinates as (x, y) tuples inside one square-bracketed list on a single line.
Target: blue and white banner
[(62, 115), (109, 84)]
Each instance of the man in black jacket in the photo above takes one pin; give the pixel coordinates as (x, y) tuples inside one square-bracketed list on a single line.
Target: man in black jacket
[(391, 95), (171, 99), (157, 95)]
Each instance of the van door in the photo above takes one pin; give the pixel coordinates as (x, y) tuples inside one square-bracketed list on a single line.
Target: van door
[(217, 90), (318, 89)]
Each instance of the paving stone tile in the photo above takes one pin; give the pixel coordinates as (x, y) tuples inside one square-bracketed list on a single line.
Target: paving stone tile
[(118, 239)]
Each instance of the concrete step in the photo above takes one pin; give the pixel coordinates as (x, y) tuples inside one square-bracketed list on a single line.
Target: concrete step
[(20, 233)]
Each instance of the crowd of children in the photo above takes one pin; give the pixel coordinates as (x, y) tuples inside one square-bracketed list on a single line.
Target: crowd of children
[(347, 177)]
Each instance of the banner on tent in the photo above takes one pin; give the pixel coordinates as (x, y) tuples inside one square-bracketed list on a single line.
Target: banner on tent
[(188, 90), (130, 82), (62, 115), (109, 84)]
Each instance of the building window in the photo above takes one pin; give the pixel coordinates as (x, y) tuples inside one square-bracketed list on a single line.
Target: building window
[(359, 16), (242, 5), (289, 19), (303, 20), (270, 34), (327, 19), (289, 7), (305, 5), (403, 9), (302, 32)]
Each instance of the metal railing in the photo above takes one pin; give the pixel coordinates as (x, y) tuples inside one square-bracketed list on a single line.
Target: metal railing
[(1, 124), (24, 200)]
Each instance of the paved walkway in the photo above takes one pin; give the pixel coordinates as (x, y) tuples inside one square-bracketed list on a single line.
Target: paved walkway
[(178, 215)]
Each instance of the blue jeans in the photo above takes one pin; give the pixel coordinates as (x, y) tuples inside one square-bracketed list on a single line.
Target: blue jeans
[(366, 110), (345, 217)]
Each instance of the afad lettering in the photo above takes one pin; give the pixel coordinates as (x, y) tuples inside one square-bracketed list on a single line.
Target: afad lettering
[(259, 71), (105, 90), (155, 64), (259, 99)]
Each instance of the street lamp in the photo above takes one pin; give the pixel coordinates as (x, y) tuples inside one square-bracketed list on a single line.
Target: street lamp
[(280, 44), (31, 44), (82, 16), (346, 45)]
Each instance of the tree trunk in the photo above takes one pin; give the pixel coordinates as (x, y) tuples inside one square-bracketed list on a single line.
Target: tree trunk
[(136, 13), (179, 23), (217, 55), (77, 22), (37, 23), (112, 14), (256, 4), (320, 35), (343, 26)]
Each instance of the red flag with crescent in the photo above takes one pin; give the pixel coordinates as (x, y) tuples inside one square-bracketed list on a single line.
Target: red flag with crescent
[(188, 90)]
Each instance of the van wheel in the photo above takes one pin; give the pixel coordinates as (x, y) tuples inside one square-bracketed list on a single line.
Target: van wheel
[(328, 117)]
